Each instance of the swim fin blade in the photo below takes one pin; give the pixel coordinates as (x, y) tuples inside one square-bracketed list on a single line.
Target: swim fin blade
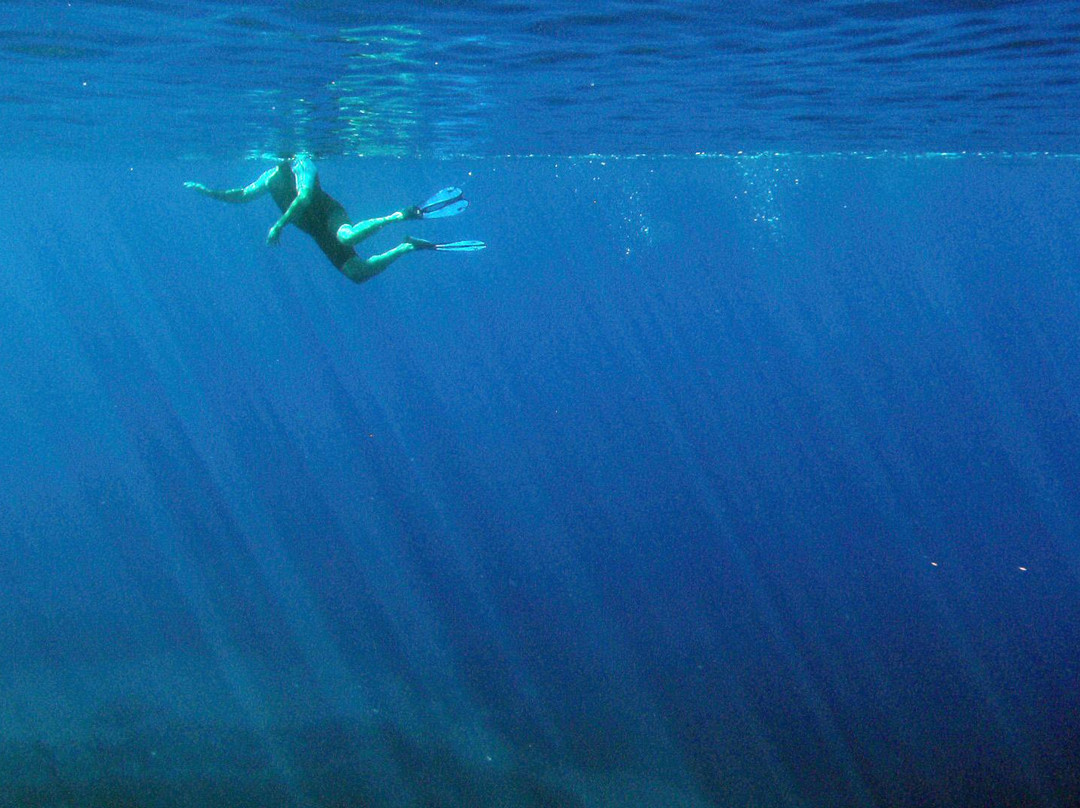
[(450, 246), (461, 246), (447, 202)]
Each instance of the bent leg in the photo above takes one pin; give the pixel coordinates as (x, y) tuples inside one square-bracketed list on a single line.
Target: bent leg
[(360, 269), (349, 234)]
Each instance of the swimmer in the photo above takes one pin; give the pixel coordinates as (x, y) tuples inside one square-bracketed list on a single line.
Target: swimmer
[(294, 185)]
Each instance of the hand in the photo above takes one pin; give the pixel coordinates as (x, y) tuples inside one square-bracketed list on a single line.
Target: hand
[(273, 236), (195, 186)]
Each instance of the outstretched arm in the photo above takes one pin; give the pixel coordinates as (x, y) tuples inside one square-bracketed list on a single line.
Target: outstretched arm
[(237, 195), (304, 171)]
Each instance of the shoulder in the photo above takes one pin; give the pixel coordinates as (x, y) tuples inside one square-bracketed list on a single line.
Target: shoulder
[(303, 168), (302, 164)]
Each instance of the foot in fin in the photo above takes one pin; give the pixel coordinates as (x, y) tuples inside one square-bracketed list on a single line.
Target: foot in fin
[(451, 246)]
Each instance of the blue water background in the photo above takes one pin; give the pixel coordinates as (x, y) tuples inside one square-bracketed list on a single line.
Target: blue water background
[(709, 482), (725, 480)]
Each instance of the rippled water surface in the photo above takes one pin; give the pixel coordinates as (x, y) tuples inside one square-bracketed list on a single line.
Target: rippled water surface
[(560, 77)]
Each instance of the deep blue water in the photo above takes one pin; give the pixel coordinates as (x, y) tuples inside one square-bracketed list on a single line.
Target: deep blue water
[(728, 480)]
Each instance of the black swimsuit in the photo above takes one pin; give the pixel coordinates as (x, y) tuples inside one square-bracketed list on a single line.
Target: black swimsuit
[(320, 219)]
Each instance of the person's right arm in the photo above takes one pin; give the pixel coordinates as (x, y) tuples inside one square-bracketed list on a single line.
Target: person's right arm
[(304, 171)]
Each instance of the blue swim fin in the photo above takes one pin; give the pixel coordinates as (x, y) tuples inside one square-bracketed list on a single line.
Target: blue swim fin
[(451, 246), (447, 202), (461, 246)]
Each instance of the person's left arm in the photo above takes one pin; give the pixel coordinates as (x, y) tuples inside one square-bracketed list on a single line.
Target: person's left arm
[(304, 170), (237, 195)]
